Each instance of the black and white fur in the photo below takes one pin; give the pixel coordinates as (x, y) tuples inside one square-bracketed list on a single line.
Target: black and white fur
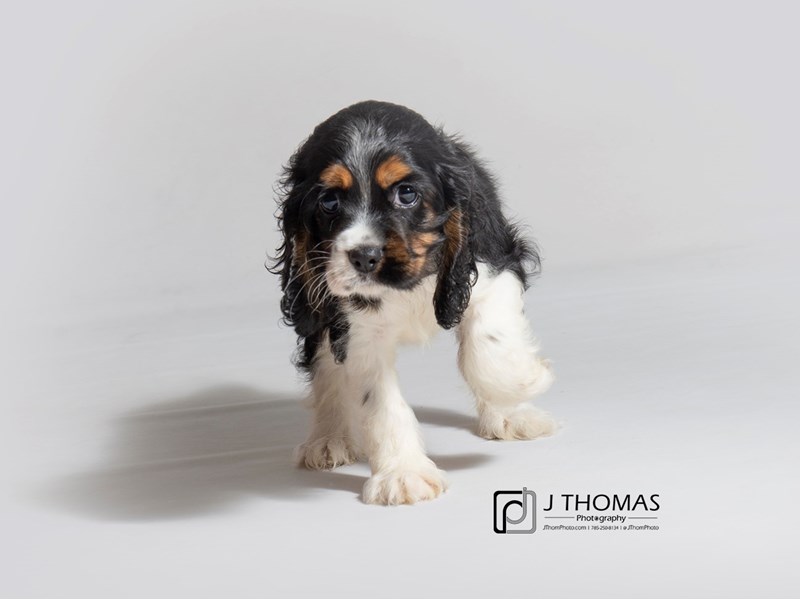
[(394, 230)]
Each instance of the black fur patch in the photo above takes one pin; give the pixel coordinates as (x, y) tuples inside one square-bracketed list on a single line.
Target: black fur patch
[(359, 302)]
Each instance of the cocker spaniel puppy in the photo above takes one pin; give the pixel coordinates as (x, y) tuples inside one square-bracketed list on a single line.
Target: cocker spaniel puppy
[(394, 230)]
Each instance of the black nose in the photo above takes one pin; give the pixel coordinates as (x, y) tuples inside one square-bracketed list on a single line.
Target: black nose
[(365, 258)]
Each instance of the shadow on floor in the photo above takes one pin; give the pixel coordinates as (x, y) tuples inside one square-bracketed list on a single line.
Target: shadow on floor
[(202, 452)]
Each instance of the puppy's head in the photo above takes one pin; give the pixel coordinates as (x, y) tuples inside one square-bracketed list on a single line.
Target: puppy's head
[(373, 201)]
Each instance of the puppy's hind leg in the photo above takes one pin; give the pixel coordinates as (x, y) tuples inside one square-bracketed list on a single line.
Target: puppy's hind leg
[(330, 443), (499, 359)]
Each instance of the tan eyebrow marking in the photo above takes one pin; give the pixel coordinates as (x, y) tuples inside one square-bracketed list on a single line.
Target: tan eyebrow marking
[(390, 171), (337, 176)]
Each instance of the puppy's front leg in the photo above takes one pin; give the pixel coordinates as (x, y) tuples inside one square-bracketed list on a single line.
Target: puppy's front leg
[(401, 472), (499, 359), (329, 444)]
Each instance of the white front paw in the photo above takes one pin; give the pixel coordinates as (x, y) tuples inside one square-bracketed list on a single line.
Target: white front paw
[(523, 422), (325, 453), (405, 485)]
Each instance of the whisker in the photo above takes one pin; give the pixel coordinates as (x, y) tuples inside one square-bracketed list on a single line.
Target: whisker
[(308, 288), (318, 292), (313, 261)]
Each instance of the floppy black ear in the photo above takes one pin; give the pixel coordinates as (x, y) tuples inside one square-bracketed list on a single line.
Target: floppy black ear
[(458, 272), (289, 261), (311, 321), (290, 264)]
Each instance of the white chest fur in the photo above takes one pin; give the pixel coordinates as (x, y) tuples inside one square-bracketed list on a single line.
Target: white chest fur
[(404, 316)]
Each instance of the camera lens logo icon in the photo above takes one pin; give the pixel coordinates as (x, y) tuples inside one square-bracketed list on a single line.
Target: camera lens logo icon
[(515, 511)]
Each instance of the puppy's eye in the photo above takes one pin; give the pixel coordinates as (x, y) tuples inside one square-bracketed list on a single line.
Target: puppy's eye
[(405, 196), (329, 202)]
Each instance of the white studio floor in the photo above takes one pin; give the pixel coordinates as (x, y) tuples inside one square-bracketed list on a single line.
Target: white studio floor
[(150, 455)]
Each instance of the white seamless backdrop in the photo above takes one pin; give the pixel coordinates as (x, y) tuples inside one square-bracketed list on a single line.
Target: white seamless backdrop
[(148, 404), (142, 139)]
